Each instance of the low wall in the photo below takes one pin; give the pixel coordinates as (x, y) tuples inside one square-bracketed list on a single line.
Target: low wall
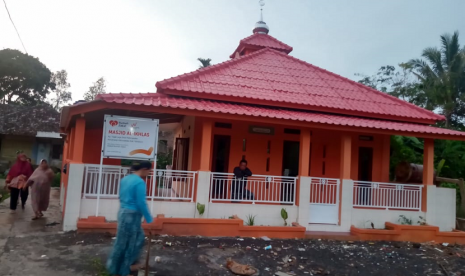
[(199, 226), (362, 218), (267, 215), (109, 208), (411, 233)]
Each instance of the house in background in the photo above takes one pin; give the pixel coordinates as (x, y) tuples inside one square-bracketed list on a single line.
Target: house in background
[(32, 130)]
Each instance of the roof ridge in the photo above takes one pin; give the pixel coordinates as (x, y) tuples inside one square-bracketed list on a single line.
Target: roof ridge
[(220, 65), (440, 117), (268, 36)]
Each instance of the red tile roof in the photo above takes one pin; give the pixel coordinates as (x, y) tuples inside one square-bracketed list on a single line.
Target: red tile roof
[(274, 78), (160, 100), (262, 41)]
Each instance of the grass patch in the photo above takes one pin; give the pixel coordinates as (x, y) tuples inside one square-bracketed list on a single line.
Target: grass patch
[(4, 194), (99, 268)]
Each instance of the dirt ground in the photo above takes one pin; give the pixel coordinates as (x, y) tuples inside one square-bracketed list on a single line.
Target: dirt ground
[(85, 254), (37, 248)]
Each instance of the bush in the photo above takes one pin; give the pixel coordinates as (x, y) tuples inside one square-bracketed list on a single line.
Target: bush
[(56, 180)]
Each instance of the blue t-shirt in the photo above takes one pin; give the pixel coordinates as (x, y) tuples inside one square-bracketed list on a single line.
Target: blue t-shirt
[(132, 195)]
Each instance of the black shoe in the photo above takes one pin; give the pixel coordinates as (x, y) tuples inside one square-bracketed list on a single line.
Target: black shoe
[(22, 206)]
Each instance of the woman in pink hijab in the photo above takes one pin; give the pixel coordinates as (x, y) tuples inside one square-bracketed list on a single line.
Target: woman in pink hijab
[(40, 182)]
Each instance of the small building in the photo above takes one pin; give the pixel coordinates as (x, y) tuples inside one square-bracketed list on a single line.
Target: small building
[(34, 130), (317, 143)]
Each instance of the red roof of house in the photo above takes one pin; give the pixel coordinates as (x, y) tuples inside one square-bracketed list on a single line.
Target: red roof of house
[(270, 77), (160, 100), (262, 40)]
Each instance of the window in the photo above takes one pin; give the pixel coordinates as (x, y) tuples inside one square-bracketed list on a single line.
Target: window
[(292, 131), (223, 125), (57, 151)]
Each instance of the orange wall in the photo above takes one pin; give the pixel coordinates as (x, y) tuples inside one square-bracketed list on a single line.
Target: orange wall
[(256, 150), (93, 146)]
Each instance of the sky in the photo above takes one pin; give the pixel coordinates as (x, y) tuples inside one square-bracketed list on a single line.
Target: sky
[(133, 44)]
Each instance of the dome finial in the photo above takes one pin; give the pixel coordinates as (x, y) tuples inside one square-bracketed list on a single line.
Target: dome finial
[(260, 26)]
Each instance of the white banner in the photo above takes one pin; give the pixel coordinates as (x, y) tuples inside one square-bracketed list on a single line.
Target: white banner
[(130, 138)]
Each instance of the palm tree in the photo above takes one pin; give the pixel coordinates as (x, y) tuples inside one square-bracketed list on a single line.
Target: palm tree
[(442, 76), (205, 62)]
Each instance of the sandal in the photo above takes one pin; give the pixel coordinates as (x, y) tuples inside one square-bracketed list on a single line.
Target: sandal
[(35, 218)]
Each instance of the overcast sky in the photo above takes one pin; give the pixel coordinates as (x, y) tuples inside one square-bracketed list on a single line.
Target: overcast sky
[(133, 44)]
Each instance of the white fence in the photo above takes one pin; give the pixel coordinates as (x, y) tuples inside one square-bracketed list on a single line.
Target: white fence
[(324, 200), (387, 195), (163, 185), (224, 187)]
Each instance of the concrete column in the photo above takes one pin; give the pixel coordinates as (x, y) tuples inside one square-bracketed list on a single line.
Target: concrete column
[(78, 143), (304, 154), (386, 158), (304, 200), (428, 170), (73, 197), (346, 151), (428, 162), (206, 146), (441, 204), (346, 197), (203, 192)]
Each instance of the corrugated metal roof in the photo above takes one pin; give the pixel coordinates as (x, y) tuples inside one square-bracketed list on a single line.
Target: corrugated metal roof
[(272, 76), (160, 100)]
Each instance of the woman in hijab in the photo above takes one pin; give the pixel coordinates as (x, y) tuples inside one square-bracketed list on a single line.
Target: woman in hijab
[(17, 180), (40, 182), (130, 236)]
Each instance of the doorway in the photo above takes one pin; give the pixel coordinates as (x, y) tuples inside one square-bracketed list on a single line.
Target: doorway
[(181, 154), (291, 150), (220, 164), (365, 168), (365, 164)]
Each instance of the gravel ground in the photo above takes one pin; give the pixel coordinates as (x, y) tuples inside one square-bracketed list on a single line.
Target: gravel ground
[(85, 254)]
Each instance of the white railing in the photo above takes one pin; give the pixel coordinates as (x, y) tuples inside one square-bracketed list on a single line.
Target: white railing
[(224, 187), (324, 200), (387, 195), (324, 191), (164, 184)]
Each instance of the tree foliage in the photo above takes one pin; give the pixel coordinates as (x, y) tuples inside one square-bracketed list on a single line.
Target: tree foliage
[(99, 87), (436, 82), (23, 78), (442, 75), (61, 94), (205, 62)]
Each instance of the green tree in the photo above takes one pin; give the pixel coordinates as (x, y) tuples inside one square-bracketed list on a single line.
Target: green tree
[(99, 87), (442, 75), (61, 94), (23, 78), (398, 82), (205, 62)]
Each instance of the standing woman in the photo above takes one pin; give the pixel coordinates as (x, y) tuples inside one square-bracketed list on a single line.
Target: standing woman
[(40, 181), (130, 236), (17, 180)]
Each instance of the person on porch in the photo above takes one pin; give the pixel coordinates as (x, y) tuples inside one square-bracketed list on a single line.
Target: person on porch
[(239, 187)]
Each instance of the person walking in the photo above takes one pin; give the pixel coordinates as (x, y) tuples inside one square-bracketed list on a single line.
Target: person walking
[(40, 182), (130, 235), (17, 180)]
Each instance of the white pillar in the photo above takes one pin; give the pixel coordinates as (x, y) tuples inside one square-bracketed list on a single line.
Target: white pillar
[(440, 209), (304, 201), (203, 192), (346, 197), (73, 197)]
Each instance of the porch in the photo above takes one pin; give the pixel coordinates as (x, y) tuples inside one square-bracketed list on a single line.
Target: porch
[(327, 178)]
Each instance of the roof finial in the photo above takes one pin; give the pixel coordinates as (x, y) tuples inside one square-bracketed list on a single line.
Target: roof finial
[(260, 26)]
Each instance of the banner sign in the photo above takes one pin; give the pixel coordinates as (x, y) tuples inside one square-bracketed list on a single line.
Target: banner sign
[(130, 138)]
